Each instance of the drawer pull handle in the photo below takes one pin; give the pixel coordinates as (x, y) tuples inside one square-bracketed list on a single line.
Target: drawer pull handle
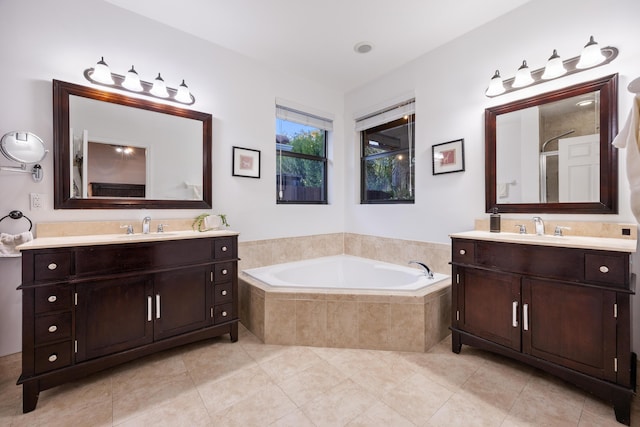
[(223, 293), (52, 298), (53, 328), (224, 271), (604, 269), (52, 266), (224, 314), (53, 358), (224, 249), (462, 252), (525, 315), (514, 314)]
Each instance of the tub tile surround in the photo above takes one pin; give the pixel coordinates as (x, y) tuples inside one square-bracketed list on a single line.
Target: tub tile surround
[(367, 320)]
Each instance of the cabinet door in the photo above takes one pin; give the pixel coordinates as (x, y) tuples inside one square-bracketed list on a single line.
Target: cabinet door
[(488, 305), (182, 301), (570, 325), (113, 315)]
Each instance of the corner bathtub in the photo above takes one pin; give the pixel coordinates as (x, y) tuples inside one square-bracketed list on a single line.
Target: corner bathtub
[(344, 272), (347, 302)]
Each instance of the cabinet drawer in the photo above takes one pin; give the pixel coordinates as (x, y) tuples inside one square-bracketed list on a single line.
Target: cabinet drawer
[(223, 293), (53, 356), (606, 269), (181, 252), (52, 266), (463, 252), (112, 259), (52, 328), (224, 248), (52, 298), (222, 313), (223, 272)]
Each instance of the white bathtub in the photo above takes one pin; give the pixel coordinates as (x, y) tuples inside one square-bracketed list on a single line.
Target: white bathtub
[(344, 272)]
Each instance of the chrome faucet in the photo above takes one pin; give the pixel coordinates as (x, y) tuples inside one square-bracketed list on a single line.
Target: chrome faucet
[(145, 224), (539, 225), (427, 270)]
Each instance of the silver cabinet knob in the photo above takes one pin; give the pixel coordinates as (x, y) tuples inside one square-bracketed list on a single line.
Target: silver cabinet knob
[(53, 357), (224, 271), (52, 266), (462, 252), (53, 328), (604, 269), (224, 314), (223, 293), (224, 249), (52, 298)]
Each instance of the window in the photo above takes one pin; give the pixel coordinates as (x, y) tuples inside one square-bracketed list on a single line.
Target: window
[(387, 155), (301, 153)]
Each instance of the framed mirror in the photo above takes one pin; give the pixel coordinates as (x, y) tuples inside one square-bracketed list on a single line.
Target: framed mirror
[(552, 153), (112, 151)]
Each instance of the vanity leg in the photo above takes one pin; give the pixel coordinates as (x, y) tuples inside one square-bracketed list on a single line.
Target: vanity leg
[(456, 343), (30, 393), (623, 411), (234, 332)]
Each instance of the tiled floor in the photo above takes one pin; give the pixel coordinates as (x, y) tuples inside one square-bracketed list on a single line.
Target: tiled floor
[(217, 383)]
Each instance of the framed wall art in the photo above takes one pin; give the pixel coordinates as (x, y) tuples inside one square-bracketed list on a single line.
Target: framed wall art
[(246, 162), (448, 157)]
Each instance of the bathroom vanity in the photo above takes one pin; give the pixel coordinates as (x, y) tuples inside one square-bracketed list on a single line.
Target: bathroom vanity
[(560, 304), (93, 302)]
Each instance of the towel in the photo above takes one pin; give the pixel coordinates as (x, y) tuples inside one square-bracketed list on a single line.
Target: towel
[(628, 138), (8, 243)]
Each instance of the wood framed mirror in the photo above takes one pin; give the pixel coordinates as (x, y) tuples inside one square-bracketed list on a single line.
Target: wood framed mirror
[(112, 151), (552, 153)]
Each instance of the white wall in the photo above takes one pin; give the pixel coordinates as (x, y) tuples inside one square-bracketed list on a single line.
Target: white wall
[(44, 40)]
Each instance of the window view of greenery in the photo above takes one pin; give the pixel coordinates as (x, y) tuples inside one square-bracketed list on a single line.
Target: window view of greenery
[(301, 163), (387, 162)]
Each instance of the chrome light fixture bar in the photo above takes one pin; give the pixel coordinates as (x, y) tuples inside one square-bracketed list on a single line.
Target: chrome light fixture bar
[(592, 56), (102, 75)]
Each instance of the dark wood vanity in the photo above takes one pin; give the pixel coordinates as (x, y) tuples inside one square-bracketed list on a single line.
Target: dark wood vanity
[(560, 309), (90, 307)]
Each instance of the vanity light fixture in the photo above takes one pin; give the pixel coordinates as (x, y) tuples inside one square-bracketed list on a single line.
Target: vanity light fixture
[(592, 56), (102, 75)]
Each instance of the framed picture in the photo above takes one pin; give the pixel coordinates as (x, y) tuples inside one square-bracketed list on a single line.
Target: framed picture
[(246, 162), (448, 157)]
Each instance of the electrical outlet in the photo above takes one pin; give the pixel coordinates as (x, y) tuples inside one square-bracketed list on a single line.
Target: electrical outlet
[(37, 201)]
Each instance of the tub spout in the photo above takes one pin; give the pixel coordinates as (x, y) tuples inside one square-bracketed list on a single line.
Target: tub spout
[(427, 270)]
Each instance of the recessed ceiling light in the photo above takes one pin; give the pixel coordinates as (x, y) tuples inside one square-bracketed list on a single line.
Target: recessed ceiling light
[(363, 47)]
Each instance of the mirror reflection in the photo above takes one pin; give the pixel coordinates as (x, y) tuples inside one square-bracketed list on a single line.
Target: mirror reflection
[(552, 152), (114, 151)]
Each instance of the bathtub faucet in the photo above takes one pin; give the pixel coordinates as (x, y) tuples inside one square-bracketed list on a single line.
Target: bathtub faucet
[(427, 270)]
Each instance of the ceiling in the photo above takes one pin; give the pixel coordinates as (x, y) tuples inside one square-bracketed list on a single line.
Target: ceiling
[(315, 39)]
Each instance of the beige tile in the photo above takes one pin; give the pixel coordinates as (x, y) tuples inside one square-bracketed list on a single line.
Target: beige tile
[(280, 321), (588, 419), (342, 325), (184, 409), (97, 415), (406, 329), (74, 397), (311, 322), (256, 410), (417, 398), (464, 409), (291, 361), (311, 382), (206, 361), (293, 419), (380, 415), (339, 406), (373, 325), (382, 372)]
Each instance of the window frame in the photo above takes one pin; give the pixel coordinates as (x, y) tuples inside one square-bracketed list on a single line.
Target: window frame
[(364, 158)]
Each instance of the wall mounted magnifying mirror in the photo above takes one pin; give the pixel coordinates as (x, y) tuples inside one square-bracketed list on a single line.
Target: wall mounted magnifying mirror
[(114, 152), (25, 148), (552, 152)]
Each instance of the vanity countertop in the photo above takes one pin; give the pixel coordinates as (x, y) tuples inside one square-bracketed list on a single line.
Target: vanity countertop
[(112, 239), (584, 242)]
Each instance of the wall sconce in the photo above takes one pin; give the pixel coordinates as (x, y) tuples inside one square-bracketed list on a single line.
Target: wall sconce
[(592, 56), (102, 75)]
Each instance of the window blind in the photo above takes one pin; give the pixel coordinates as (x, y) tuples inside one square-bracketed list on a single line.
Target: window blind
[(387, 115), (291, 115)]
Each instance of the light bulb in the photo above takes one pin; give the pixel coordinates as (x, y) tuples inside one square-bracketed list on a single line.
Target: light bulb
[(523, 76), (554, 68), (101, 72), (183, 94), (591, 55), (132, 81), (496, 87), (159, 88)]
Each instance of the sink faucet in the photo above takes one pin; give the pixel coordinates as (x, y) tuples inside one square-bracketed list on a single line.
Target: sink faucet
[(145, 224), (539, 225), (427, 270)]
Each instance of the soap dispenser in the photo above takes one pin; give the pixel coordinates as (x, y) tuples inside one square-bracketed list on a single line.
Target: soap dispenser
[(494, 221)]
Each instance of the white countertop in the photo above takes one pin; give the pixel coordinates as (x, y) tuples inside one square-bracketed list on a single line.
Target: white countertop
[(112, 239), (584, 242)]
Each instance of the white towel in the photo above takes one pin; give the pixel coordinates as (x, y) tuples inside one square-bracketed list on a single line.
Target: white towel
[(8, 243), (628, 138)]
